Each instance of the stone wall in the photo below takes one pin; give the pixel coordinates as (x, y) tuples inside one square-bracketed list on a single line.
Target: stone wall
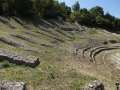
[(6, 85), (19, 59), (95, 85)]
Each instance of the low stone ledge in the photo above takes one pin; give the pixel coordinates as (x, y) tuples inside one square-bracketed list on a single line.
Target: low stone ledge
[(94, 85), (10, 42), (19, 59), (6, 85)]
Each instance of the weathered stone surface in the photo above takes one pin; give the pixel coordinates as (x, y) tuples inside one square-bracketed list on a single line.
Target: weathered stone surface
[(95, 85), (113, 41), (14, 43), (10, 42), (5, 85), (24, 38), (79, 26), (95, 53), (66, 28), (19, 59), (94, 47)]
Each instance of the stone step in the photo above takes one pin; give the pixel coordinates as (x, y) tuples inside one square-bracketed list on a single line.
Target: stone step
[(14, 58), (94, 85), (101, 50), (10, 42), (24, 38), (7, 85)]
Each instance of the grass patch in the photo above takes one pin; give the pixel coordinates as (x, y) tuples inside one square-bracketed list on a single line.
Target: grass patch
[(5, 64), (93, 31), (50, 74)]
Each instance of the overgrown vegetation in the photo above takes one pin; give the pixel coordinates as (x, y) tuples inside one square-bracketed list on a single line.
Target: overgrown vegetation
[(95, 17), (53, 9)]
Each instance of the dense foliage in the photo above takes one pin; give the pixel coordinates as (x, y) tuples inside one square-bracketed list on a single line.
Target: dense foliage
[(30, 8), (53, 9)]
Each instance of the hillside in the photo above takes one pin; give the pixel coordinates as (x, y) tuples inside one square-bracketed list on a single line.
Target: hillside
[(70, 55)]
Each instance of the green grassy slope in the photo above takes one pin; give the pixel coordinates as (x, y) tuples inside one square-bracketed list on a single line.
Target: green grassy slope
[(54, 43)]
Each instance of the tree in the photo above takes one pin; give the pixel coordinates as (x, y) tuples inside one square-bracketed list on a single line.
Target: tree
[(97, 11), (24, 8), (50, 10), (109, 16), (44, 8), (76, 7), (116, 24), (4, 7), (86, 18), (1, 10), (69, 11), (11, 7), (39, 7), (100, 21), (63, 10)]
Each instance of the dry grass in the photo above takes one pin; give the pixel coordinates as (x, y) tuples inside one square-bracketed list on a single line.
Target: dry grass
[(59, 68)]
